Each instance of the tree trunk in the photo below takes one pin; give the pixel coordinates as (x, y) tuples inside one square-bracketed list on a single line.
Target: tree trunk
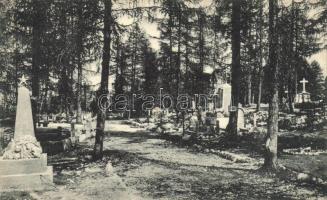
[(170, 31), (36, 56), (178, 65), (289, 96), (249, 82), (292, 62), (49, 103), (236, 67), (103, 90), (259, 88), (79, 94), (85, 97), (260, 75), (200, 80), (79, 41), (270, 162)]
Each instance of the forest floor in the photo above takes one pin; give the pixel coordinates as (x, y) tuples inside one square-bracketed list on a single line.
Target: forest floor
[(149, 167)]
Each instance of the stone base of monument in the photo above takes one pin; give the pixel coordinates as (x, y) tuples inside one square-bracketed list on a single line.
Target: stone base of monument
[(25, 174)]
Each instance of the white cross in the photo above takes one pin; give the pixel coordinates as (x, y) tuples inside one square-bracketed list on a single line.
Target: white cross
[(303, 82)]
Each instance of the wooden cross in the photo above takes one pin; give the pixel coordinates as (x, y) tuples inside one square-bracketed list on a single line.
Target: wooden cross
[(303, 82)]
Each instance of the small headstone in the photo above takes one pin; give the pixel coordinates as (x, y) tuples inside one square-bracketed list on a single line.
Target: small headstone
[(193, 105), (211, 106), (194, 123), (226, 97), (109, 170), (255, 119), (156, 113), (240, 120)]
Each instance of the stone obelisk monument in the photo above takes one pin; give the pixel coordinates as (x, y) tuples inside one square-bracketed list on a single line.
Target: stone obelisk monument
[(24, 119), (23, 165)]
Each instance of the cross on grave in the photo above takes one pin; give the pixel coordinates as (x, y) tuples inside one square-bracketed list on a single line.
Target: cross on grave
[(303, 82)]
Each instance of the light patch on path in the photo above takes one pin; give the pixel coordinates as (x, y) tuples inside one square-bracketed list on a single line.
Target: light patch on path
[(161, 170)]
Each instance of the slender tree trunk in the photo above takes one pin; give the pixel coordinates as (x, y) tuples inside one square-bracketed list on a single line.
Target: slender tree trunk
[(236, 67), (36, 56), (64, 62), (43, 108), (178, 65), (103, 90), (248, 95), (49, 103), (201, 81), (178, 70), (85, 97), (47, 92), (289, 95), (187, 77), (270, 162), (16, 73), (296, 54), (295, 81), (249, 100), (79, 41), (260, 77), (79, 94), (259, 88), (170, 30), (292, 62)]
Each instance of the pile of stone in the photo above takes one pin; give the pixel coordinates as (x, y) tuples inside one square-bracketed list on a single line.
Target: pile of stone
[(22, 148)]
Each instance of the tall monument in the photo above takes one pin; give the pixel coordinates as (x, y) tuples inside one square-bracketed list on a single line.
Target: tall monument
[(24, 119), (23, 165)]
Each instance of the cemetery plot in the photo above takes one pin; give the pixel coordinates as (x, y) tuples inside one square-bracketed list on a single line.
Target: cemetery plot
[(169, 99)]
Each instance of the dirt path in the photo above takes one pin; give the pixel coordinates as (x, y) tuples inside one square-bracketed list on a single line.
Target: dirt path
[(158, 169), (147, 167)]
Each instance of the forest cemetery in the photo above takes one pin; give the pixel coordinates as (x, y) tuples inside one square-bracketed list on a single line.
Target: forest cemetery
[(168, 99)]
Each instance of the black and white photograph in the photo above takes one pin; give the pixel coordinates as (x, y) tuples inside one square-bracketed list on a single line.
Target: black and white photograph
[(163, 100)]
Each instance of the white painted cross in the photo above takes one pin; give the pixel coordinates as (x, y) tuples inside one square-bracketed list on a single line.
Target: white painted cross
[(303, 82)]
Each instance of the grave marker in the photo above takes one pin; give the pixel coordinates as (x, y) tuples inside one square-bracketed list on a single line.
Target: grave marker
[(304, 96), (225, 97), (240, 119), (23, 165)]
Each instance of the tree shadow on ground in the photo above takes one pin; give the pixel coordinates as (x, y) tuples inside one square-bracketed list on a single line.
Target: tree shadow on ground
[(139, 157), (161, 186), (15, 195), (204, 184), (134, 137)]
